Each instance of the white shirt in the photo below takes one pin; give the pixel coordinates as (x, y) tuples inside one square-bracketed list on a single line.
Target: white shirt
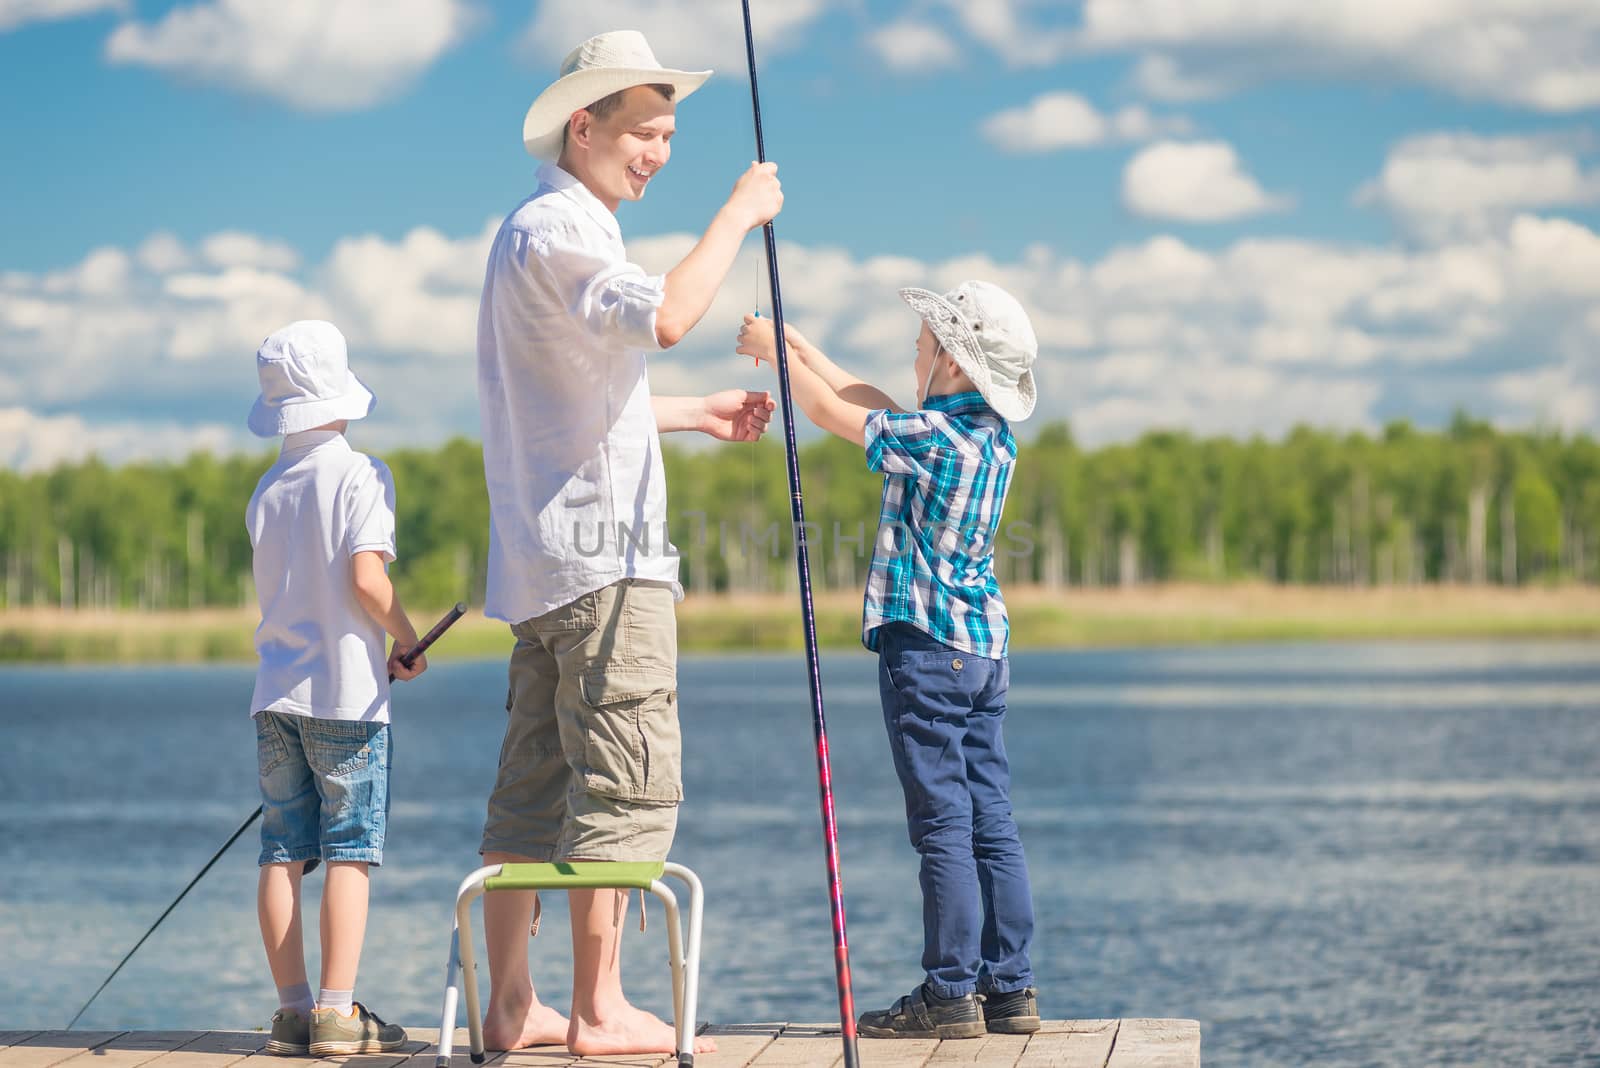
[(321, 654), (571, 453)]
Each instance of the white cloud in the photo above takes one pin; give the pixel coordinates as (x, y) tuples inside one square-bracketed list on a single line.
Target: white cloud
[(162, 253), (1014, 30), (687, 34), (319, 55), (1251, 337), (33, 442), (1563, 397), (1199, 181), (913, 46), (1161, 78), (1555, 257), (1538, 54), (418, 295), (14, 13), (1206, 395), (1443, 185), (231, 248), (1058, 120)]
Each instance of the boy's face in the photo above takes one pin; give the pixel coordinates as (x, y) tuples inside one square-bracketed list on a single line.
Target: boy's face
[(626, 148)]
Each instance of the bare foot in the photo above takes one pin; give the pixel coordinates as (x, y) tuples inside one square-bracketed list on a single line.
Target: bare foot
[(539, 1026), (630, 1030)]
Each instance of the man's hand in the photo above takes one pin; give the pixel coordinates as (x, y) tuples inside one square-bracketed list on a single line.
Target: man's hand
[(757, 338), (757, 196), (399, 670), (737, 414)]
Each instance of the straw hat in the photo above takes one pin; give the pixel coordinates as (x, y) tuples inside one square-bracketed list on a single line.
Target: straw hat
[(306, 381), (604, 64), (987, 333)]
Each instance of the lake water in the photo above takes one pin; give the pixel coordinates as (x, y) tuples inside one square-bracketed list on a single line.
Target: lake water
[(1328, 854)]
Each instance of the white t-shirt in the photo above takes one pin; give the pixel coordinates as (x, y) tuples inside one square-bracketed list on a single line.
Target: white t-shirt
[(321, 653), (571, 452)]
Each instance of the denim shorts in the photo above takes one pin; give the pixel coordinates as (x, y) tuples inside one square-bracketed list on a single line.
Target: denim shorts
[(324, 788)]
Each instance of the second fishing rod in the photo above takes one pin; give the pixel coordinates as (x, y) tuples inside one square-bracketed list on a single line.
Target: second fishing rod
[(407, 658)]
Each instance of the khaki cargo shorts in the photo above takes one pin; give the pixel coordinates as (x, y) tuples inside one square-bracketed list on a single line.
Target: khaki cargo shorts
[(591, 765)]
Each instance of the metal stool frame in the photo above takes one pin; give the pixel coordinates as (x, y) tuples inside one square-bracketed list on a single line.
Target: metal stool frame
[(575, 876)]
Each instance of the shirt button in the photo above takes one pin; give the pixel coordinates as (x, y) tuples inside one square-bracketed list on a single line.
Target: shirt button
[(956, 663)]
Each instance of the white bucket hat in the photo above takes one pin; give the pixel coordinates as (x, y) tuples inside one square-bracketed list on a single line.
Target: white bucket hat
[(987, 333), (306, 381), (604, 64)]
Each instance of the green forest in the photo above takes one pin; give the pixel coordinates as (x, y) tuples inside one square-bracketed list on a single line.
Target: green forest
[(1465, 504)]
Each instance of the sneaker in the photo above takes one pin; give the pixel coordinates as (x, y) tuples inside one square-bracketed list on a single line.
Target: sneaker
[(924, 1014), (1012, 1013), (291, 1034), (335, 1034)]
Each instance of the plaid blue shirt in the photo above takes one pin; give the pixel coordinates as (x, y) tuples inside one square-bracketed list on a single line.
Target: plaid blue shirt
[(946, 468)]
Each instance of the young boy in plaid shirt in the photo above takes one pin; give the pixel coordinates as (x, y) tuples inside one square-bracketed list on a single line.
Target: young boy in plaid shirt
[(935, 616)]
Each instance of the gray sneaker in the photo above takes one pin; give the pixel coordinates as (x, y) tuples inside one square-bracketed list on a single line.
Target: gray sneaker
[(334, 1034), (291, 1034)]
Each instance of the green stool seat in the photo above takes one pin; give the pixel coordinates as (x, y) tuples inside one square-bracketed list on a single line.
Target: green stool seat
[(575, 875)]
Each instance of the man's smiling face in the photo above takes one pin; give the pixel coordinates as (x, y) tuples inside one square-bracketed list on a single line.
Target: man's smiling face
[(627, 146)]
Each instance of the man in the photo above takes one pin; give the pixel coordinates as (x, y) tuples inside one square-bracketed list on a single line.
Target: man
[(579, 561)]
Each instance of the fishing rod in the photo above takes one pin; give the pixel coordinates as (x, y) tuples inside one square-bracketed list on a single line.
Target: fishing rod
[(819, 724), (408, 658)]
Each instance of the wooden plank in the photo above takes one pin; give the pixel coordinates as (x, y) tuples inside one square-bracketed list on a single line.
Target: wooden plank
[(1070, 1044), (1052, 1027), (460, 1048), (803, 1046), (360, 1060), (536, 1057), (213, 1049), (1156, 1044), (897, 1052), (737, 1044), (133, 1049), (1134, 1043), (52, 1047), (428, 1053), (991, 1051)]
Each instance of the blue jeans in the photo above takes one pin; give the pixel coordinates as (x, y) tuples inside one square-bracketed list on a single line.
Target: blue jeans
[(943, 709)]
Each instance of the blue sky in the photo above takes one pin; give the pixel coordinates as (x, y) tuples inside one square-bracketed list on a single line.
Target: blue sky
[(1223, 220)]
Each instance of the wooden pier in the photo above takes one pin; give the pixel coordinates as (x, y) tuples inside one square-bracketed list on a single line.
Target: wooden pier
[(1059, 1044)]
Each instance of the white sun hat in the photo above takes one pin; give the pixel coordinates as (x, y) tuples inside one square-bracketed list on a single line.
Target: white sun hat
[(986, 331), (306, 381), (604, 64)]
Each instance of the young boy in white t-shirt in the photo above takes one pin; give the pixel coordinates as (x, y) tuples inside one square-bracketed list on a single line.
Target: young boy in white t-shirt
[(321, 523)]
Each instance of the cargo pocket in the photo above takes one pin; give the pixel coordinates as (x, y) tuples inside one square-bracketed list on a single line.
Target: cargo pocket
[(632, 748)]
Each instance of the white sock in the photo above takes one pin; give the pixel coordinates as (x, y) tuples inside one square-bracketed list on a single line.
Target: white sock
[(336, 999), (297, 998)]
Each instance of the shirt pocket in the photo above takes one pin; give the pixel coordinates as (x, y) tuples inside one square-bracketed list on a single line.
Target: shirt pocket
[(632, 746)]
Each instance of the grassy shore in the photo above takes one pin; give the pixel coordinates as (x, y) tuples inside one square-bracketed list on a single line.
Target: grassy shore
[(1150, 615)]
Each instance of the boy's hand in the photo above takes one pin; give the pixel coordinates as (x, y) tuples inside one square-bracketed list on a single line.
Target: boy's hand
[(757, 196), (399, 670), (738, 414), (757, 338)]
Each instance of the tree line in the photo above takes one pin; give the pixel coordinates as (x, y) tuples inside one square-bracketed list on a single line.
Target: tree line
[(1468, 503)]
